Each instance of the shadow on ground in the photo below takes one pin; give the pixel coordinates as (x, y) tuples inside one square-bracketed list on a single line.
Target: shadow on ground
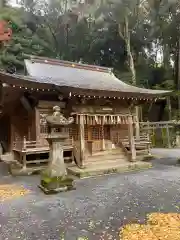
[(165, 161)]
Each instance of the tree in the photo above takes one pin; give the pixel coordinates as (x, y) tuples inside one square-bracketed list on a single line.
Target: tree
[(23, 41), (126, 14), (3, 3)]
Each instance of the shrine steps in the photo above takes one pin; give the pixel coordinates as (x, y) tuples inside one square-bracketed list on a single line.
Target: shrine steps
[(108, 168), (113, 161), (108, 154)]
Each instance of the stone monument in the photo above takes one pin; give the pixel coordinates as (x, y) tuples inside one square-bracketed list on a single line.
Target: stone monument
[(55, 178)]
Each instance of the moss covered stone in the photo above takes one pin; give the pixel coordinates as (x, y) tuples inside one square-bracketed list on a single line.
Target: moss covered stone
[(56, 184)]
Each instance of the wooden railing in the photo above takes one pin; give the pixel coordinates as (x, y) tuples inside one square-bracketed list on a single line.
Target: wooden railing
[(28, 145), (162, 134), (142, 141), (155, 125)]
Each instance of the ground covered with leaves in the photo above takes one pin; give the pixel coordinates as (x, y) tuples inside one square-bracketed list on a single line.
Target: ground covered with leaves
[(101, 208), (160, 226), (11, 191)]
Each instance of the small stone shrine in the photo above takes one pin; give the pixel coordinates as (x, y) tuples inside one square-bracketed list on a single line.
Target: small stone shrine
[(55, 178)]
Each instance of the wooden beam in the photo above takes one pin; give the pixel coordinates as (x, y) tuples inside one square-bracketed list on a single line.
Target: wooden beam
[(81, 138), (131, 139)]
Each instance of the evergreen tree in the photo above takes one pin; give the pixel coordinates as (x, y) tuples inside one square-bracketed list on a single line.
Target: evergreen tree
[(23, 41)]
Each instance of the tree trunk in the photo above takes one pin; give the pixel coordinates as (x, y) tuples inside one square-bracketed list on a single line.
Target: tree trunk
[(166, 57), (127, 39), (178, 79), (2, 3)]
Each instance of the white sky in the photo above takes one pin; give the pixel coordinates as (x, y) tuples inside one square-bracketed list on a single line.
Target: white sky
[(14, 2)]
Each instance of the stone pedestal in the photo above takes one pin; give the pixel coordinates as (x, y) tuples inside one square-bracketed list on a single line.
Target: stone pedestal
[(55, 178)]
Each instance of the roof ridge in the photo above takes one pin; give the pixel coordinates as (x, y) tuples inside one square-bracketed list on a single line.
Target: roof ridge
[(52, 61)]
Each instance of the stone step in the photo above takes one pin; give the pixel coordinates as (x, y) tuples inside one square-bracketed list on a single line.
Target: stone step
[(107, 169), (106, 158), (109, 152), (105, 163)]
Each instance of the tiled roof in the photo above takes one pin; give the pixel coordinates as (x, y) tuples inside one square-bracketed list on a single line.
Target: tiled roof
[(76, 78), (76, 75)]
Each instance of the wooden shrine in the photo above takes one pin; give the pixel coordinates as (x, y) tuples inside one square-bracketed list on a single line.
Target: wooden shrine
[(103, 108)]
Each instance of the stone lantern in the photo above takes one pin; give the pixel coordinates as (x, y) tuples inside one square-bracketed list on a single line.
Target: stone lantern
[(55, 178)]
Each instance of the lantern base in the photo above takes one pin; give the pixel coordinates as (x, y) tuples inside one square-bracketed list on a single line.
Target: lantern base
[(52, 185)]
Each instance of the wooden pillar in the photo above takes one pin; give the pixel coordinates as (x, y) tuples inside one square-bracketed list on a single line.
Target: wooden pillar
[(23, 154), (140, 114), (148, 131), (168, 99), (81, 139), (168, 136), (137, 128), (103, 140), (131, 139), (89, 130), (37, 124), (177, 140), (11, 136)]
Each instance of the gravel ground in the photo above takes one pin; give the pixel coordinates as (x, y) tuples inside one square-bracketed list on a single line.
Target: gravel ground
[(95, 210), (167, 153)]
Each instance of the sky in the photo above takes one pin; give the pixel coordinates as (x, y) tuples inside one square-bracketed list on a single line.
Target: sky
[(13, 2)]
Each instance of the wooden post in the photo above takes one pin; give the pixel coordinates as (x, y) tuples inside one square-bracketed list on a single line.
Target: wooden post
[(81, 136), (23, 155), (89, 133), (137, 129), (168, 136), (103, 140), (37, 124), (177, 140), (24, 144), (11, 143), (148, 131), (140, 114), (169, 108), (178, 72), (131, 139)]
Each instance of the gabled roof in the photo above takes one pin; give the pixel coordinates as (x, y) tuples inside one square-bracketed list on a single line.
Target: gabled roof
[(81, 76), (75, 78)]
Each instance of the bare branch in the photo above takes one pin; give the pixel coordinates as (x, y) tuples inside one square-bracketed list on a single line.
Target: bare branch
[(120, 31)]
